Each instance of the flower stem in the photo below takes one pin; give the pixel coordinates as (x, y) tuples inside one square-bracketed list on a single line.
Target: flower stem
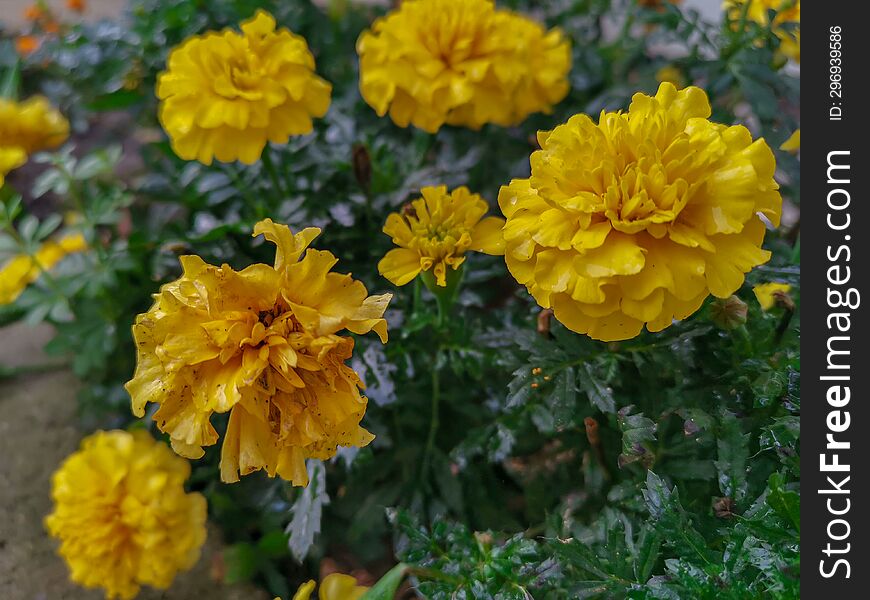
[(270, 170), (435, 419)]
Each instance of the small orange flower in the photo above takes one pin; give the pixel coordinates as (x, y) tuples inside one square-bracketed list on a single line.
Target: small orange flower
[(34, 12), (51, 27), (26, 45), (78, 6)]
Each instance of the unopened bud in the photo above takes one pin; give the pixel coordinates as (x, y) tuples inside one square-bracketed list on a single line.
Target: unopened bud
[(362, 166), (728, 313)]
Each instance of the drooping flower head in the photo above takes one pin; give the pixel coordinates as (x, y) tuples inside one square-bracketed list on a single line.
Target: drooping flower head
[(21, 270), (226, 94), (434, 233), (122, 515), (27, 127), (335, 586), (263, 344), (637, 219), (461, 62), (767, 294), (785, 25)]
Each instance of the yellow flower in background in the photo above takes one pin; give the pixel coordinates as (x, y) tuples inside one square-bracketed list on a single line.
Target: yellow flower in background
[(766, 293), (226, 94), (27, 127), (22, 270), (637, 219), (461, 62), (670, 74), (122, 515), (10, 158), (336, 586), (435, 232), (263, 344), (793, 143), (788, 12)]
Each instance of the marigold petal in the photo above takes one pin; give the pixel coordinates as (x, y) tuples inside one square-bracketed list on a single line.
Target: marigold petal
[(487, 237), (400, 266), (305, 590)]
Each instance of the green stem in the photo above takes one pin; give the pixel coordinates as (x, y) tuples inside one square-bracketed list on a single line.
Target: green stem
[(435, 419), (424, 573), (12, 372), (270, 170), (445, 296), (241, 186)]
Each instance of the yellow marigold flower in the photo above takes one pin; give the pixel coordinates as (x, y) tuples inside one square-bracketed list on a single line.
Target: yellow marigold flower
[(10, 158), (336, 586), (27, 127), (22, 270), (122, 515), (263, 345), (636, 219), (434, 233), (793, 143), (670, 74), (766, 293), (461, 62), (787, 12), (226, 94)]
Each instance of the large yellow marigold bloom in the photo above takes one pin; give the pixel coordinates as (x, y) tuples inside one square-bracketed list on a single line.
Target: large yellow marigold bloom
[(335, 586), (788, 12), (28, 127), (122, 515), (22, 270), (434, 233), (461, 62), (263, 344), (636, 219), (226, 94)]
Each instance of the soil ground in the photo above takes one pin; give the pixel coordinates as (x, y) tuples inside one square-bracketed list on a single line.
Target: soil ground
[(37, 430)]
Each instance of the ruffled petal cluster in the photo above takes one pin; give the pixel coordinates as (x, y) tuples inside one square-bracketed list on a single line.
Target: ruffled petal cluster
[(461, 62), (22, 270), (226, 94), (636, 219), (263, 344), (122, 515), (335, 586), (786, 21), (28, 127), (434, 232)]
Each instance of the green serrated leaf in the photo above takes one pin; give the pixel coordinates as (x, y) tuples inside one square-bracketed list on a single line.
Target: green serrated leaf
[(307, 511), (786, 503), (733, 453), (599, 393)]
